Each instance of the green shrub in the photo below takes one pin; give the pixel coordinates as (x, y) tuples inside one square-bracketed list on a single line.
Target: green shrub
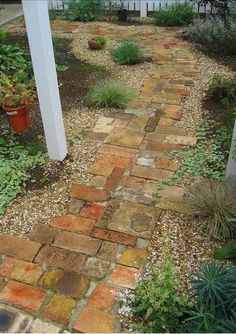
[(175, 15), (84, 10), (213, 309), (127, 53), (13, 59), (226, 252), (214, 34), (110, 93), (101, 40), (157, 305), (16, 165), (213, 202)]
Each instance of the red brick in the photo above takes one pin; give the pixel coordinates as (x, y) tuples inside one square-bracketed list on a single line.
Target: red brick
[(92, 320), (117, 150), (60, 258), (105, 165), (92, 210), (103, 297), (74, 224), (150, 173), (133, 182), (89, 194), (173, 112), (43, 234), (77, 243), (166, 163), (23, 296), (120, 238), (114, 179), (20, 270), (20, 248), (124, 277), (162, 147)]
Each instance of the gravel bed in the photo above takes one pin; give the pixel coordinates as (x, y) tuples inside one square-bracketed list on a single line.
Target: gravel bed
[(40, 206)]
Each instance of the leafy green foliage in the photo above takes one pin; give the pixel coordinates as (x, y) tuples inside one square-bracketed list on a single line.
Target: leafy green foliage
[(110, 93), (214, 34), (84, 10), (227, 251), (16, 164), (157, 305), (127, 53), (13, 59), (213, 202), (101, 40), (205, 159), (215, 299), (175, 15)]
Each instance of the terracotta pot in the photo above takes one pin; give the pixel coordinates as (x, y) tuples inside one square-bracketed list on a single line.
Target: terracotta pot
[(94, 45), (18, 118)]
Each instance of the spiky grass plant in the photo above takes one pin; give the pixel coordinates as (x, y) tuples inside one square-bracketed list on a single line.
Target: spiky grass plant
[(110, 93), (127, 53), (214, 203)]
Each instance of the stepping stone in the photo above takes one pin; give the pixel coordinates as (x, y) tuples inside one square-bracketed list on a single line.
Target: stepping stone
[(59, 309), (135, 219), (180, 140), (125, 137)]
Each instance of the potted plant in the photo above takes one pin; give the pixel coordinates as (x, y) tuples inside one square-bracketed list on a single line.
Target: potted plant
[(97, 42), (17, 98)]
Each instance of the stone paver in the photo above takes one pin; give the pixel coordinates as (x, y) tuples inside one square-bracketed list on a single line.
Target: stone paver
[(69, 272)]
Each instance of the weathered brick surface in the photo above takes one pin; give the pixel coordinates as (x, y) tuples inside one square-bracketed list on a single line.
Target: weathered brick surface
[(134, 257), (87, 193), (166, 163), (20, 270), (121, 238), (124, 276), (77, 243), (43, 234), (23, 296), (105, 165), (103, 297), (66, 283), (92, 210), (125, 137), (114, 179), (150, 173), (124, 152), (92, 320), (20, 248), (60, 258), (74, 224), (59, 309), (133, 182), (162, 147)]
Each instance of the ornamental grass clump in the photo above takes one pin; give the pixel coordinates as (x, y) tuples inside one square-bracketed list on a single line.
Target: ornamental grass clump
[(110, 93), (214, 204), (127, 53), (175, 15)]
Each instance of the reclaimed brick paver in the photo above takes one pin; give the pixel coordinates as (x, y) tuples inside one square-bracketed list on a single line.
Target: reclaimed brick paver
[(70, 270)]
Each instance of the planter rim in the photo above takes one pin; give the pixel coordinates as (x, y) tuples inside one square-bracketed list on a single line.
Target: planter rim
[(4, 107)]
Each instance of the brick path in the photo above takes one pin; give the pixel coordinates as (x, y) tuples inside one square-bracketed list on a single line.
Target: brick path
[(66, 276)]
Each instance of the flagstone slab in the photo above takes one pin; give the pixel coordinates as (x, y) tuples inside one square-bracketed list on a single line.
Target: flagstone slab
[(104, 166), (125, 137), (103, 297), (180, 140), (59, 309), (134, 257), (96, 267), (110, 251), (150, 172), (135, 219)]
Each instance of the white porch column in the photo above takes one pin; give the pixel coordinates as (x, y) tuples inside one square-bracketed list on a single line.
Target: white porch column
[(231, 165), (143, 8), (41, 48)]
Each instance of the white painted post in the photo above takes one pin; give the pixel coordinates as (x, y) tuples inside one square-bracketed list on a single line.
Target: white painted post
[(143, 8), (41, 48), (231, 165)]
